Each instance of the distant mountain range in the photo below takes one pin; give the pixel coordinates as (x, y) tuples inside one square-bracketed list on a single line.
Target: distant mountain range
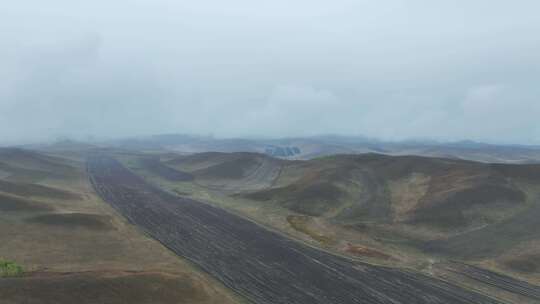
[(317, 146), (304, 148)]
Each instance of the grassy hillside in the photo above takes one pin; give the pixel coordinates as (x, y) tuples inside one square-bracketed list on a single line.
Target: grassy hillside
[(36, 190), (75, 248), (446, 195), (229, 172), (398, 210), (108, 287)]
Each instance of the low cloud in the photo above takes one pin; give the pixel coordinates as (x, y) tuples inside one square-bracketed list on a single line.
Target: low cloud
[(394, 70)]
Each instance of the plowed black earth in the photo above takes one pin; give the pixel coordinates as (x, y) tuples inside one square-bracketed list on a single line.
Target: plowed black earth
[(497, 280), (261, 265)]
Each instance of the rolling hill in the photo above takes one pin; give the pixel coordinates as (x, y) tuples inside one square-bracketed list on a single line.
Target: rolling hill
[(75, 249), (425, 213), (325, 145), (375, 206)]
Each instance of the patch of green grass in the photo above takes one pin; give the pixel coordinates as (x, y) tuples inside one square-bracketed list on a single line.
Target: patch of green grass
[(10, 269)]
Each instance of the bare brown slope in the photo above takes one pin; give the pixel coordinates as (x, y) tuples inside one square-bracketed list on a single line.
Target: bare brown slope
[(35, 190), (74, 220), (76, 249), (198, 161), (106, 287), (19, 165), (236, 167), (216, 165), (318, 190), (11, 203), (361, 188), (19, 174), (154, 165), (415, 209), (312, 195), (35, 161), (449, 208), (230, 172), (365, 187)]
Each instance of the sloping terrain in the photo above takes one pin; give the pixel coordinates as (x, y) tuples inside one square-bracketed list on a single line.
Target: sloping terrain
[(36, 190), (263, 266), (21, 164), (11, 203), (403, 211), (153, 165), (443, 194), (230, 172), (316, 193), (75, 249), (399, 210), (113, 287)]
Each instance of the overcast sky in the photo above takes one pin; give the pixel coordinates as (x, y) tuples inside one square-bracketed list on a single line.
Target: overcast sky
[(447, 70)]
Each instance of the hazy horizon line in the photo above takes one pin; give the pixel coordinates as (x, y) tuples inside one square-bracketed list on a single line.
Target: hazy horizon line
[(358, 137)]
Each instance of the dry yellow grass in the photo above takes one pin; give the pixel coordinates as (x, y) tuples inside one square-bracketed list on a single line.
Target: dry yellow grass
[(63, 237), (405, 194)]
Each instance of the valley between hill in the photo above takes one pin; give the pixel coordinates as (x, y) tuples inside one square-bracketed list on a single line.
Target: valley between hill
[(472, 225), (261, 265), (408, 211), (74, 248)]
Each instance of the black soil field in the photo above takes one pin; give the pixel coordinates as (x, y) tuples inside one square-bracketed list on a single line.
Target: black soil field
[(260, 265), (498, 280)]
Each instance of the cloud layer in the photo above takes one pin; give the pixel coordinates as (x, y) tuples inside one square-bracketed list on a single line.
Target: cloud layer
[(392, 69)]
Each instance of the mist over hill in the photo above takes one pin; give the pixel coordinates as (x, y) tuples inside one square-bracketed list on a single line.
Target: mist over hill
[(270, 152), (312, 147)]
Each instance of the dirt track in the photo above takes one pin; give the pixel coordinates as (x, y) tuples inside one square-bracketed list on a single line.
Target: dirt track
[(261, 265)]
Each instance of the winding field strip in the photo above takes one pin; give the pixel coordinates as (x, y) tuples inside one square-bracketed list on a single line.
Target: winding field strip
[(497, 280), (260, 265)]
